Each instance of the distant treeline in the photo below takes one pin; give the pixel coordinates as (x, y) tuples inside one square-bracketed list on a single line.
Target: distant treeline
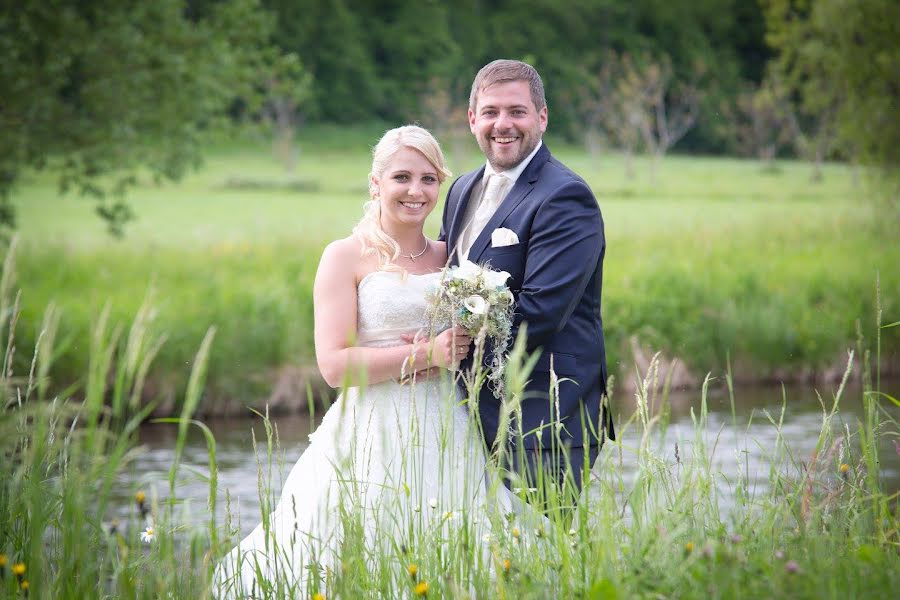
[(401, 61), (100, 92)]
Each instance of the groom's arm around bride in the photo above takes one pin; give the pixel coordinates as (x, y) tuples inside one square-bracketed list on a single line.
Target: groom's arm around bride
[(524, 212)]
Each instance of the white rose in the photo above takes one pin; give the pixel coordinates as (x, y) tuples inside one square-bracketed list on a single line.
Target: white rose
[(495, 279), (476, 305), (467, 271)]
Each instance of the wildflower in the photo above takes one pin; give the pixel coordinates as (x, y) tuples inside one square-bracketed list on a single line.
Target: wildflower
[(845, 470), (736, 538), (140, 497), (507, 565), (318, 596), (413, 570), (486, 538), (148, 535), (779, 554), (791, 566), (3, 560), (432, 502), (18, 569), (421, 588), (572, 532), (449, 515), (24, 585), (689, 547)]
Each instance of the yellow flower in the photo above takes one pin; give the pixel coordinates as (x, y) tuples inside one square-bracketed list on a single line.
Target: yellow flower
[(507, 564), (689, 547), (421, 588), (845, 468), (24, 585), (318, 596), (413, 570), (516, 533), (140, 497), (19, 569), (2, 560)]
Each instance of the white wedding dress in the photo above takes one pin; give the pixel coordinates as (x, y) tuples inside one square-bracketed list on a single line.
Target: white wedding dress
[(395, 457)]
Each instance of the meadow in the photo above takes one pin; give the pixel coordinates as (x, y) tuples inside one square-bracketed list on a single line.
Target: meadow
[(715, 260)]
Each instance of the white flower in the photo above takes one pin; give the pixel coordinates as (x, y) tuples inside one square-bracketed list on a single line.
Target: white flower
[(486, 538), (476, 305), (467, 271), (432, 502), (495, 279), (148, 535)]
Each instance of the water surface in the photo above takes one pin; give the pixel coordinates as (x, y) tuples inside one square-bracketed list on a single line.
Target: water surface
[(743, 442)]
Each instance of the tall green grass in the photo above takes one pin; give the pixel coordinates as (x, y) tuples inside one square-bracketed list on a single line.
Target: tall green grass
[(824, 527)]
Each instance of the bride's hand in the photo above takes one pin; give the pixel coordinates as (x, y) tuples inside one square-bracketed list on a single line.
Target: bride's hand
[(448, 348)]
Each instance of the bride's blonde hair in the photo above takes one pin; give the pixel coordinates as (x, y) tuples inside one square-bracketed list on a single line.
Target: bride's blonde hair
[(369, 231)]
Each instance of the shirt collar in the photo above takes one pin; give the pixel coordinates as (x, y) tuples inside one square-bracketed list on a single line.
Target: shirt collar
[(514, 173)]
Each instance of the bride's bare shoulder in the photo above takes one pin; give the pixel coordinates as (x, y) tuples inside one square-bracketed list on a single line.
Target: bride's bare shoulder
[(344, 256)]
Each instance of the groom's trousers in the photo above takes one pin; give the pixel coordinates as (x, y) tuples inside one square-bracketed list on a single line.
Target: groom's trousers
[(565, 469)]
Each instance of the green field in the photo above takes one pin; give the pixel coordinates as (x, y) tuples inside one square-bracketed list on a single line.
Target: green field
[(717, 258)]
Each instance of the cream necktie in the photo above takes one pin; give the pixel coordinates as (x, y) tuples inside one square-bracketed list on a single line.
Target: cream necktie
[(494, 192)]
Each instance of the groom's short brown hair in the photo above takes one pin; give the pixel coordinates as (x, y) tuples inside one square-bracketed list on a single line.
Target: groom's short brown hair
[(503, 71)]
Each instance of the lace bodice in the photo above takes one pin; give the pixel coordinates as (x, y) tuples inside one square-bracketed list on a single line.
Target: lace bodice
[(390, 305)]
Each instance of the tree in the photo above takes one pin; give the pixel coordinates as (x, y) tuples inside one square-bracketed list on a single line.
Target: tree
[(671, 108), (331, 41), (639, 100), (762, 120), (444, 112), (98, 89), (286, 89), (842, 57)]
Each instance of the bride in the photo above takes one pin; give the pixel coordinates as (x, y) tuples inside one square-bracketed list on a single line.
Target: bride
[(396, 452)]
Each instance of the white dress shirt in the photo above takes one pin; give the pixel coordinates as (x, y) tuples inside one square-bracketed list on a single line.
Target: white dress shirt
[(469, 233)]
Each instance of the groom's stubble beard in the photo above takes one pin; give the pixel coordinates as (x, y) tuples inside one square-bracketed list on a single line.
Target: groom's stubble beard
[(528, 142)]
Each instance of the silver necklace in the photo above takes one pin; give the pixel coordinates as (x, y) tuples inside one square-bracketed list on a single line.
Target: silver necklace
[(413, 257)]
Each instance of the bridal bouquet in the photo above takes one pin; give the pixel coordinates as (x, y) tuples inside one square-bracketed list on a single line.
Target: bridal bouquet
[(477, 299)]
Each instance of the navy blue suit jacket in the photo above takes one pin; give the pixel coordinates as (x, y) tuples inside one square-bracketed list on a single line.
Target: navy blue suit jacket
[(556, 276)]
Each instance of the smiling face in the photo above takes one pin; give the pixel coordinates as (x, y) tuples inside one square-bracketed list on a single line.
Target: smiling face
[(407, 189), (506, 123)]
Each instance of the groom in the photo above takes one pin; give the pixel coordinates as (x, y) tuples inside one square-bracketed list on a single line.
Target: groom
[(525, 213)]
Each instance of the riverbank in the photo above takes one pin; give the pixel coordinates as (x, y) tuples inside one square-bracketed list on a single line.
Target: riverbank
[(719, 260)]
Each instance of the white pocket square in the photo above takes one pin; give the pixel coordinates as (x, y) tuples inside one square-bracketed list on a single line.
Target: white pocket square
[(503, 237)]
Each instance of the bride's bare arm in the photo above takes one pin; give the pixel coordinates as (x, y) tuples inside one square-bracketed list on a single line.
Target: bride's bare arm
[(340, 362)]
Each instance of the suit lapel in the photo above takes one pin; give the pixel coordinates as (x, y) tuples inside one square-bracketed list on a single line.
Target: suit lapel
[(516, 195), (459, 211)]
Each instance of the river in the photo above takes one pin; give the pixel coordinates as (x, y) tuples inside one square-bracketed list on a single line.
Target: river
[(741, 449)]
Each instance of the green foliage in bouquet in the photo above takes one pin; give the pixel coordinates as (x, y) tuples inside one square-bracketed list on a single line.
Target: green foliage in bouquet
[(477, 299)]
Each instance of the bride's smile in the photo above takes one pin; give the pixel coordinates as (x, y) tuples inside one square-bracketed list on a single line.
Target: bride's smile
[(407, 190)]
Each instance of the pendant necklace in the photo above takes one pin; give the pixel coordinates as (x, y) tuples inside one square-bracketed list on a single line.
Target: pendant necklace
[(413, 257)]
